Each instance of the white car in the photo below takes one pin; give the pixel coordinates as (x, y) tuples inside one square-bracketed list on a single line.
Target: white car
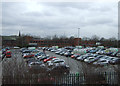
[(49, 63), (101, 62), (55, 59), (88, 59), (59, 62), (25, 54)]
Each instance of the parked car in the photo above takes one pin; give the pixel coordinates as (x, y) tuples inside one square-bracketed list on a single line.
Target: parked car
[(55, 59), (53, 50), (28, 55), (8, 54), (59, 62), (118, 54), (63, 52), (48, 59), (26, 51), (109, 53), (114, 61), (7, 48), (101, 62), (67, 54), (49, 49), (75, 56), (58, 52), (49, 63), (114, 54), (22, 49), (81, 58), (38, 54), (44, 57), (37, 67), (93, 51), (29, 60), (88, 59), (96, 58)]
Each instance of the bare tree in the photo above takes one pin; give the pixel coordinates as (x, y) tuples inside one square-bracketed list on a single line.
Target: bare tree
[(95, 38)]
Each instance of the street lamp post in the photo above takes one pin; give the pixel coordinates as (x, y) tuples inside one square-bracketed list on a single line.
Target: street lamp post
[(78, 36)]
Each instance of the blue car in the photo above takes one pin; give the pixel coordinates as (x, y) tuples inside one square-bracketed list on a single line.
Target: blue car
[(38, 54)]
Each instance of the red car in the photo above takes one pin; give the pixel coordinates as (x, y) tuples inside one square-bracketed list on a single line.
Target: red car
[(8, 54), (50, 58), (75, 55), (28, 55)]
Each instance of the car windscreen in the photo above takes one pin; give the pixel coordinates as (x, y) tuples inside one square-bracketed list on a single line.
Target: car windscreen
[(8, 53)]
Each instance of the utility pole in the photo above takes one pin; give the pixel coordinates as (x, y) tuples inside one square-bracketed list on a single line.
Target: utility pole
[(78, 36)]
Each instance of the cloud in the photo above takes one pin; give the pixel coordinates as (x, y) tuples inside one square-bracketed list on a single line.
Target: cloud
[(51, 18)]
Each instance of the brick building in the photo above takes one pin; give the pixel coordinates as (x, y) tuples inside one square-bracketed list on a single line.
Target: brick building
[(49, 43), (12, 41), (61, 42)]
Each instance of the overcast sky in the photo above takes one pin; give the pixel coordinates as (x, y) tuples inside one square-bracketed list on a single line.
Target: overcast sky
[(61, 18)]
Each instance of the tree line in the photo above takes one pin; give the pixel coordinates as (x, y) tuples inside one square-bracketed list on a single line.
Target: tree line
[(108, 42)]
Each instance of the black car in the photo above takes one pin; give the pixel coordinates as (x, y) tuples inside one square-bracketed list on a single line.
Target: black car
[(81, 58), (44, 57), (115, 61), (26, 51), (67, 54), (96, 58)]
